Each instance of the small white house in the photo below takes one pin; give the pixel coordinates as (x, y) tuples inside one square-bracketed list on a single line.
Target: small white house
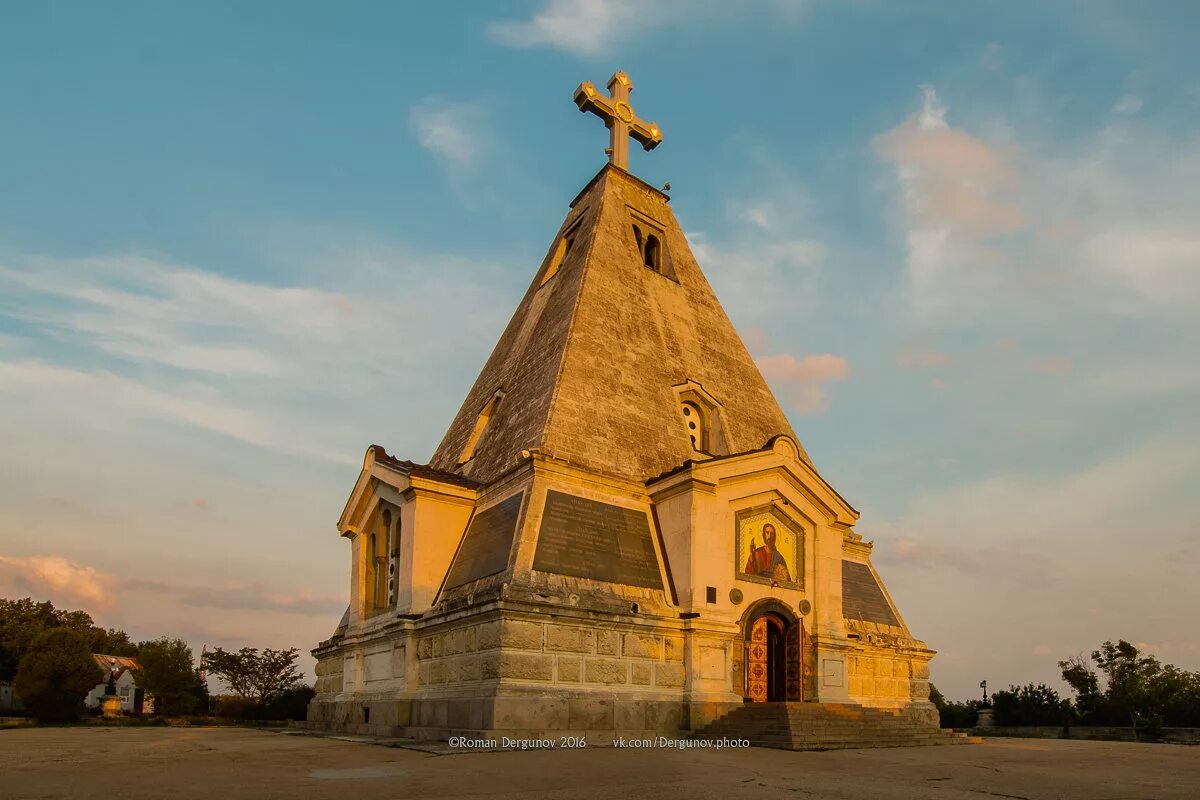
[(133, 699)]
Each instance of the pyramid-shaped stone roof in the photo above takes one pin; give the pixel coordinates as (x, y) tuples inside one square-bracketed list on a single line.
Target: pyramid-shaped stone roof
[(591, 365)]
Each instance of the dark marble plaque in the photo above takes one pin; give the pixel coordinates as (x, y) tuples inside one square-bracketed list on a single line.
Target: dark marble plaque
[(486, 544), (589, 539), (861, 596)]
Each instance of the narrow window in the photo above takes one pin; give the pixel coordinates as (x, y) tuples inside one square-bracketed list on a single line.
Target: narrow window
[(650, 257), (480, 425), (386, 565), (637, 237), (560, 254), (710, 594), (694, 422), (394, 563), (372, 576)]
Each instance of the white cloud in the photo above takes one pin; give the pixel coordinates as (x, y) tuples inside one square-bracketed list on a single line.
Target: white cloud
[(586, 27), (452, 132), (1127, 104), (802, 381), (1106, 222), (592, 28)]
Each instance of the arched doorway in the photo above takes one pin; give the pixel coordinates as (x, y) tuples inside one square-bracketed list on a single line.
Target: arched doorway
[(774, 640)]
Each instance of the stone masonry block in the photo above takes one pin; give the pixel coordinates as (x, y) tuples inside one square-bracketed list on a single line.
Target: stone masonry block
[(487, 635), (568, 639), (608, 643), (591, 715), (521, 635), (526, 666), (606, 670), (642, 673), (673, 648), (458, 641), (570, 668), (630, 715), (639, 646), (668, 674)]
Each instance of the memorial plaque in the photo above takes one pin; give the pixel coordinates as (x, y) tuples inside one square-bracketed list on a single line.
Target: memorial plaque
[(589, 539), (487, 543), (861, 596)]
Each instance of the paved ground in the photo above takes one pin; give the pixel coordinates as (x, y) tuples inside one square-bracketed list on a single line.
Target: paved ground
[(231, 764)]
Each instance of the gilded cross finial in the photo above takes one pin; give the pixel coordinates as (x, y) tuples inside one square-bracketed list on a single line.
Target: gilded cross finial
[(618, 117)]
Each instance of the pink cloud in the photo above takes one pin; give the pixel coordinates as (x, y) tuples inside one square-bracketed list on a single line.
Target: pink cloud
[(58, 580), (950, 177), (938, 383), (802, 381)]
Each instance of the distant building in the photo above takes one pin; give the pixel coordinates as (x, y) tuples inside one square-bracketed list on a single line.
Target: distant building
[(9, 701), (133, 698)]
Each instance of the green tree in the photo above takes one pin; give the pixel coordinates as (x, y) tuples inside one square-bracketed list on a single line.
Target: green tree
[(21, 621), (1031, 705), (1137, 689), (260, 677), (55, 674), (169, 675)]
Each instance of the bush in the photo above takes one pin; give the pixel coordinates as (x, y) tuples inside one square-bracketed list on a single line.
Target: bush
[(1031, 705), (290, 704), (953, 714), (55, 674)]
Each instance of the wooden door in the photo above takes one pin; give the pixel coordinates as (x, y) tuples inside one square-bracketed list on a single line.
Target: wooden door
[(756, 662), (794, 647)]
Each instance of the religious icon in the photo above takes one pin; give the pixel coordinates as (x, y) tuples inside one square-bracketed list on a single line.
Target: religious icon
[(769, 547), (766, 561)]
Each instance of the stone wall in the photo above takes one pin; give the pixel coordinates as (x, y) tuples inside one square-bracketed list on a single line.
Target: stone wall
[(887, 669), (536, 652)]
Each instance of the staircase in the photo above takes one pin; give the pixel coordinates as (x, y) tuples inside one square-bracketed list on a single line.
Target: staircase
[(826, 726)]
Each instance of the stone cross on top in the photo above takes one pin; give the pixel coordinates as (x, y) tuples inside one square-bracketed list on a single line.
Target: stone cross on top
[(618, 117)]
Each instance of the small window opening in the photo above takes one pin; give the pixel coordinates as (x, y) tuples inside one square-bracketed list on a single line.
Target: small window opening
[(560, 254), (694, 422), (366, 714), (637, 237), (650, 255), (710, 594), (480, 425)]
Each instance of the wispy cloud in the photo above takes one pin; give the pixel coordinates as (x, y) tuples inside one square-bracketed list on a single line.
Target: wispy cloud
[(592, 28), (452, 132), (1127, 104)]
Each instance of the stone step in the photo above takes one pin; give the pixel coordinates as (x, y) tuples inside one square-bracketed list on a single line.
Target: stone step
[(815, 726)]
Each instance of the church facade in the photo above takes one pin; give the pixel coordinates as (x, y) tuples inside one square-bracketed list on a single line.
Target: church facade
[(620, 532)]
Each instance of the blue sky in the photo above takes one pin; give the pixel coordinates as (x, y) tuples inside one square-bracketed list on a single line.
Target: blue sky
[(240, 242)]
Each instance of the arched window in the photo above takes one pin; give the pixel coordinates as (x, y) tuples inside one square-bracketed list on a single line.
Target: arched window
[(696, 424), (650, 256)]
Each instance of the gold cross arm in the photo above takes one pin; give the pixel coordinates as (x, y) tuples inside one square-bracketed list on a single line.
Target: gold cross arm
[(618, 117)]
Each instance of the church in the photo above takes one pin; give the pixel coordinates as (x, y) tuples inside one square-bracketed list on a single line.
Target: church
[(620, 533)]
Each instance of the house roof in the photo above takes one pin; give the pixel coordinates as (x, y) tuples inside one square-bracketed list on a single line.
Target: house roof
[(122, 663)]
